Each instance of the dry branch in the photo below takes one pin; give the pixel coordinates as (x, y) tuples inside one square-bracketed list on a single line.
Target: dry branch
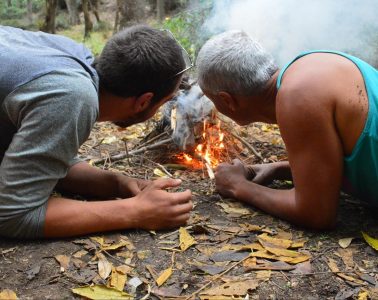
[(133, 152)]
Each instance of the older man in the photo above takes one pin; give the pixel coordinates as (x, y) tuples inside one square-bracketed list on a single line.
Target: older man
[(51, 93), (325, 103)]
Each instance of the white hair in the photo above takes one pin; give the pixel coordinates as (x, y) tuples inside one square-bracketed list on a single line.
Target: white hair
[(233, 62)]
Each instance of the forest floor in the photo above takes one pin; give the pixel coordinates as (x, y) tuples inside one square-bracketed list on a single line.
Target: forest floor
[(233, 251)]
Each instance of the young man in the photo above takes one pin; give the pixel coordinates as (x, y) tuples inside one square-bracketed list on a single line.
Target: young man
[(326, 105), (51, 94)]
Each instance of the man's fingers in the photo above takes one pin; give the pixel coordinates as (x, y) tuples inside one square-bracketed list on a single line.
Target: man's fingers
[(237, 162), (181, 197), (181, 219), (166, 183), (182, 208)]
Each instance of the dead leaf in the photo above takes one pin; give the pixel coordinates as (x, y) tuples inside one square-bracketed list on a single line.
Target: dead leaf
[(115, 246), (129, 244), (347, 256), (334, 268), (8, 295), (99, 240), (104, 268), (371, 241), (100, 292), (186, 240), (236, 288), (163, 277), (118, 278), (228, 256), (363, 295), (109, 140), (303, 268), (64, 262), (263, 275), (143, 254), (251, 228), (80, 253), (160, 173), (234, 208), (253, 246), (268, 241), (32, 272), (230, 229), (344, 243), (8, 251), (267, 265), (282, 252), (211, 269)]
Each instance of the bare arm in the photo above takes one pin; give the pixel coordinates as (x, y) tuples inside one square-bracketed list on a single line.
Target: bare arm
[(315, 155), (86, 180), (266, 173), (153, 208)]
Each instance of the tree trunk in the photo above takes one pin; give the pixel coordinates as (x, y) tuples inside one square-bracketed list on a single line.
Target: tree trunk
[(87, 19), (9, 3), (116, 19), (49, 25), (132, 12), (73, 12), (160, 9), (95, 8), (29, 5)]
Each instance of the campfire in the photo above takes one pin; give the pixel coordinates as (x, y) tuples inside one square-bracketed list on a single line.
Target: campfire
[(190, 135)]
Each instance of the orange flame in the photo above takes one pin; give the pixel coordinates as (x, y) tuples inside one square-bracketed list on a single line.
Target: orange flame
[(210, 149)]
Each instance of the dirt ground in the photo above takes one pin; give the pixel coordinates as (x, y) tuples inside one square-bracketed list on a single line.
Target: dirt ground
[(31, 268)]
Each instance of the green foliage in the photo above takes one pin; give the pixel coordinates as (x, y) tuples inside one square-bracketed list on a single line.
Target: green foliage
[(95, 42), (186, 27)]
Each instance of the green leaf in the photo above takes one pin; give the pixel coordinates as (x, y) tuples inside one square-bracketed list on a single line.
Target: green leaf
[(371, 241), (100, 292)]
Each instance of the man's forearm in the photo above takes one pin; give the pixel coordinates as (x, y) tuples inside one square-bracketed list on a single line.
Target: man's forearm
[(65, 217), (280, 203), (85, 180)]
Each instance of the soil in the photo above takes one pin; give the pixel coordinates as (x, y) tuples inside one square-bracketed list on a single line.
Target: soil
[(31, 271)]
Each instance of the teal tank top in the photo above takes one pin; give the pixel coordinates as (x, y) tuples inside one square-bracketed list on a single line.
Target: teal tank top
[(361, 167)]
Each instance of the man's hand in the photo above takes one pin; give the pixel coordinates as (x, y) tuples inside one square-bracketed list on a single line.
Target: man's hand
[(155, 208), (227, 176), (263, 174), (129, 187)]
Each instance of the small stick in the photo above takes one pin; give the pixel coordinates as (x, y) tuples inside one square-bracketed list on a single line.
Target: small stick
[(151, 140), (248, 145), (133, 152), (216, 277)]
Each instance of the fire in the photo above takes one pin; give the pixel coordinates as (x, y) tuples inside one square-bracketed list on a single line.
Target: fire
[(208, 152)]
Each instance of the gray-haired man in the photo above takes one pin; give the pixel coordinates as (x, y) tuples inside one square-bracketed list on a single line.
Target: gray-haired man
[(326, 105)]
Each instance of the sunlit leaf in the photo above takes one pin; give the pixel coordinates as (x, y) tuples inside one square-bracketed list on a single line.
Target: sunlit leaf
[(344, 243), (104, 268), (371, 241), (236, 288), (160, 173), (163, 277), (64, 261), (101, 292), (8, 295), (118, 279), (186, 240)]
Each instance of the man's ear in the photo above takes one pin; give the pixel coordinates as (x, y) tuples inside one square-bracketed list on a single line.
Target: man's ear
[(227, 101), (143, 101)]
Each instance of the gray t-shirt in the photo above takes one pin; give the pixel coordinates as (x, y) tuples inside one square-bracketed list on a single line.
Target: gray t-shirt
[(42, 125)]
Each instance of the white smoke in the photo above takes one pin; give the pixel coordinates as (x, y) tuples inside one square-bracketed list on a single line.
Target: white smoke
[(288, 27)]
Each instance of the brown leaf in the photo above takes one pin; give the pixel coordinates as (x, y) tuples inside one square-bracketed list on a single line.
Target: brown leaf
[(163, 277), (234, 208), (80, 253), (345, 242), (228, 256), (263, 275), (236, 288), (271, 242), (8, 295), (303, 268), (104, 267), (186, 240), (118, 279), (64, 261)]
